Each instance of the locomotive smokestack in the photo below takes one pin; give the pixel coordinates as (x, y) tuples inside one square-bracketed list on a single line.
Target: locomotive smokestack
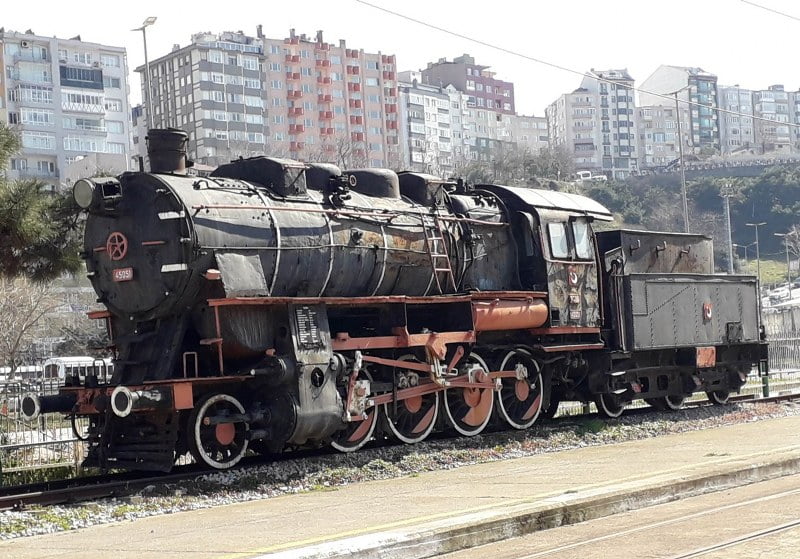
[(166, 149)]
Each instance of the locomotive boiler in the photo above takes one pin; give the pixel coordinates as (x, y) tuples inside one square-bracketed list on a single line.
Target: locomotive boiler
[(277, 304)]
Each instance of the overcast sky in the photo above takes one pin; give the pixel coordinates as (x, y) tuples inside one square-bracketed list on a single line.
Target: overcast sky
[(738, 42)]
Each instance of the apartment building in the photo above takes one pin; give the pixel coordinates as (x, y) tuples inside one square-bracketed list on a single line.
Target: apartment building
[(431, 130), (483, 89), (737, 131), (597, 123), (696, 92), (657, 136), (68, 99), (527, 132), (300, 97), (772, 131)]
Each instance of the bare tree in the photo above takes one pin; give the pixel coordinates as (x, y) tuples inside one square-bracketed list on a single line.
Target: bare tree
[(23, 306)]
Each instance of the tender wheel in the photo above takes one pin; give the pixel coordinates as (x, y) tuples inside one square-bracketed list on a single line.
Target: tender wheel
[(470, 409), (412, 420), (222, 445), (673, 402), (358, 433), (609, 405), (719, 397), (520, 401)]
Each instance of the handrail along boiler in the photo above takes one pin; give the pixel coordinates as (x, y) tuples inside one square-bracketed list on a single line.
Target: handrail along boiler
[(276, 304)]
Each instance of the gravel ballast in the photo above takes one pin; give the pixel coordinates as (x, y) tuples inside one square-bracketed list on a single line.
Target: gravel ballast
[(326, 472)]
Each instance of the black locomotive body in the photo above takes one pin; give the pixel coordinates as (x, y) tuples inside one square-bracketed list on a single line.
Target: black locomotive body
[(278, 304)]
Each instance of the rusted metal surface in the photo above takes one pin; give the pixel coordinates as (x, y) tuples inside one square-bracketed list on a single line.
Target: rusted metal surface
[(343, 342), (508, 315), (650, 252), (385, 299), (706, 357)]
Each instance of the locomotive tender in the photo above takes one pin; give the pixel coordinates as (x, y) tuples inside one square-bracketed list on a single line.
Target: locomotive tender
[(277, 305)]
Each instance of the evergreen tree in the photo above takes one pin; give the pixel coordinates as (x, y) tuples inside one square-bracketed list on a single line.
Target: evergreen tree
[(38, 229)]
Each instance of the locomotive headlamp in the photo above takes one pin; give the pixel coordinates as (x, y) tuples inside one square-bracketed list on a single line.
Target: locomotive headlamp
[(83, 193)]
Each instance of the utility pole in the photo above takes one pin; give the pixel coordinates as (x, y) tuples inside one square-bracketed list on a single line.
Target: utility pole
[(726, 194), (785, 237)]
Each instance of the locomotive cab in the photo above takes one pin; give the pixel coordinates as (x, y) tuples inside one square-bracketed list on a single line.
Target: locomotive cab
[(556, 251)]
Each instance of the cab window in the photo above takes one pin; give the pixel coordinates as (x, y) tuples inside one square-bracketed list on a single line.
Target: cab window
[(559, 245), (583, 240)]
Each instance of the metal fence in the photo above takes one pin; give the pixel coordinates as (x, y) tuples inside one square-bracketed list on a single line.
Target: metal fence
[(47, 442)]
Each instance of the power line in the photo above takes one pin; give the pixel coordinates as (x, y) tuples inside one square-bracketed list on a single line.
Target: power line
[(543, 62), (768, 9)]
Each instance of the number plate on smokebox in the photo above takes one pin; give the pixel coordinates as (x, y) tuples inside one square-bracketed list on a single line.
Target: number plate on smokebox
[(122, 274)]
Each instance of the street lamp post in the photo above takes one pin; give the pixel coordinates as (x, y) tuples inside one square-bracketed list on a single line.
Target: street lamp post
[(745, 247), (785, 237), (680, 156), (148, 101)]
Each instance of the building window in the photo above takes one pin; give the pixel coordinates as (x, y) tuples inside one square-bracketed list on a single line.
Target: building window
[(108, 60)]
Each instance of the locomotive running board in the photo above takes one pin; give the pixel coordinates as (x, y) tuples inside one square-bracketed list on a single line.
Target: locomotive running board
[(568, 347)]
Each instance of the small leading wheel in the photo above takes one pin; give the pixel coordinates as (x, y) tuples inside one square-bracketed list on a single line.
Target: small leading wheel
[(411, 420), (719, 397), (470, 409), (215, 444), (609, 405), (357, 433), (520, 400)]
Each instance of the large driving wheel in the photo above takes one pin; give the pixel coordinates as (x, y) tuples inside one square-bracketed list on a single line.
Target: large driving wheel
[(520, 400), (412, 420), (470, 409), (357, 433), (214, 443), (609, 405)]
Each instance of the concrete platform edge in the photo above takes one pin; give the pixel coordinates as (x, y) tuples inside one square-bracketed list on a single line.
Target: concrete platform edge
[(500, 523)]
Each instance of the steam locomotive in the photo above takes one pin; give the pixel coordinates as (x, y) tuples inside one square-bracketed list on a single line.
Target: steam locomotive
[(276, 305)]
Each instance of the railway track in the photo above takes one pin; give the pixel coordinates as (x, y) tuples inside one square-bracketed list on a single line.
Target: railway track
[(75, 490)]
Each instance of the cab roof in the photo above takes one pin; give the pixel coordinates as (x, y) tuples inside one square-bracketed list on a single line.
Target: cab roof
[(552, 200)]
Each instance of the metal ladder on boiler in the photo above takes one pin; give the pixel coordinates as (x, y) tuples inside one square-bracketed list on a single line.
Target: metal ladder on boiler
[(436, 246)]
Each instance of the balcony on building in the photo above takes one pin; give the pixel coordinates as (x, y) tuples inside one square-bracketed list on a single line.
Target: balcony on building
[(324, 98), (296, 111), (357, 136), (325, 115), (290, 58), (296, 128), (325, 80), (292, 75), (323, 63), (354, 103)]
